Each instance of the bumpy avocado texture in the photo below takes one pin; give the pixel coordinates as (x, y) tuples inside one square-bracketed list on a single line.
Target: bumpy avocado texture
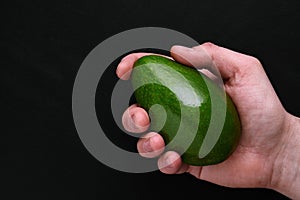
[(192, 113)]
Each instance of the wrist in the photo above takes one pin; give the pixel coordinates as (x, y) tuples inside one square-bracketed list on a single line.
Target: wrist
[(286, 169)]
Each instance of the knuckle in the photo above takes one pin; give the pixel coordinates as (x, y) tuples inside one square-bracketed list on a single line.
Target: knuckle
[(209, 45), (254, 62)]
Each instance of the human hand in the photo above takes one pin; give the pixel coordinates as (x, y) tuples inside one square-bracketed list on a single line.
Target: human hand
[(266, 126)]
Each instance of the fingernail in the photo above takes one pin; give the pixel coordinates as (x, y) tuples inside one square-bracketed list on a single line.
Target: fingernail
[(133, 116), (168, 163), (147, 146), (134, 121), (183, 48)]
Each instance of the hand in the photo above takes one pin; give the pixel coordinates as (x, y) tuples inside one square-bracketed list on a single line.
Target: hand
[(266, 126)]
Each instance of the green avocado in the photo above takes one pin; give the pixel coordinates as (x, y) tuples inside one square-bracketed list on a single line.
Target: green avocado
[(192, 113)]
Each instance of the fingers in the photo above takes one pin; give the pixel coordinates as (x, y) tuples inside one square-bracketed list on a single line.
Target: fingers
[(126, 64), (171, 163), (207, 55), (135, 119), (151, 145)]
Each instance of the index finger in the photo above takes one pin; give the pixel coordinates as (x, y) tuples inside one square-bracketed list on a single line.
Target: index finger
[(125, 66)]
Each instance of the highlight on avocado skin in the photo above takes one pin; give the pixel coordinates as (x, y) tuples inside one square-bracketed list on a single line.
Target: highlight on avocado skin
[(179, 100)]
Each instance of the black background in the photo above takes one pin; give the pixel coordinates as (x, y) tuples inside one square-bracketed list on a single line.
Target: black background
[(43, 44)]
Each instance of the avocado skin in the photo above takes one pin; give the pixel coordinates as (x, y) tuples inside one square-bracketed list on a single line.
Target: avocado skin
[(153, 76)]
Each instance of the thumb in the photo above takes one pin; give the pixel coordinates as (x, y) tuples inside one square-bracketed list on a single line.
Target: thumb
[(215, 58), (198, 58), (191, 56)]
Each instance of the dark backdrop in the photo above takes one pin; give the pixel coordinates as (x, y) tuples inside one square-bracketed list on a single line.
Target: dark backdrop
[(43, 44)]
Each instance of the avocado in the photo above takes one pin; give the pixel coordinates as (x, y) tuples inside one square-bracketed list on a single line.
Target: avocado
[(192, 113)]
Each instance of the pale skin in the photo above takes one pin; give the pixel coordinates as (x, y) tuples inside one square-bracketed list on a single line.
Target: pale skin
[(268, 154)]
